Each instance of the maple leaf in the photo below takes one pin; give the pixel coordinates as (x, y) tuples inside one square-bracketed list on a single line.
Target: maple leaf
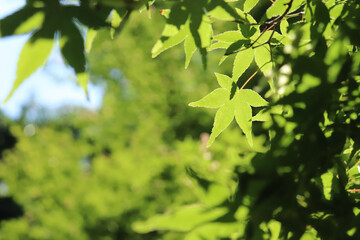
[(232, 104)]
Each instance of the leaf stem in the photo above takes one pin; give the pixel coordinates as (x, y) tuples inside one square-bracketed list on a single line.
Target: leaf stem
[(248, 80), (253, 75)]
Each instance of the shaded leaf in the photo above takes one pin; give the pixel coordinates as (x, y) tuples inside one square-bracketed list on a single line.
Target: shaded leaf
[(89, 17), (72, 47), (240, 45), (22, 21)]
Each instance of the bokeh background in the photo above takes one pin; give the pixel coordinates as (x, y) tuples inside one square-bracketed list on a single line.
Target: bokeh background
[(73, 168)]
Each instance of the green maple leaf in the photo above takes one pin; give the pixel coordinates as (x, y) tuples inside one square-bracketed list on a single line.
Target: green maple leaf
[(189, 21), (231, 105)]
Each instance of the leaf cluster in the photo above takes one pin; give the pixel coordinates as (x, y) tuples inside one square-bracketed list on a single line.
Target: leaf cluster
[(305, 185)]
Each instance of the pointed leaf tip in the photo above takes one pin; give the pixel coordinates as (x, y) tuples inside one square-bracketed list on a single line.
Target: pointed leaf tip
[(224, 116), (83, 79), (224, 81), (40, 45), (252, 98), (215, 99)]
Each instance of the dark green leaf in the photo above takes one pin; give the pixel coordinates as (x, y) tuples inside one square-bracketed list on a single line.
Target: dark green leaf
[(22, 21)]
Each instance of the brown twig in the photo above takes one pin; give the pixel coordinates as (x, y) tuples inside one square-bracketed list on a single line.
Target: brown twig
[(267, 42), (252, 44), (353, 190)]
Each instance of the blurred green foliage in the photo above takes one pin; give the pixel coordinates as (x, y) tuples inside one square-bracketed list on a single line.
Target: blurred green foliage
[(92, 175), (140, 169)]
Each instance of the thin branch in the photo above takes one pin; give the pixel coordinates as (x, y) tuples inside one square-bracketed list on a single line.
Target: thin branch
[(272, 23), (295, 14), (279, 18), (252, 44), (353, 190)]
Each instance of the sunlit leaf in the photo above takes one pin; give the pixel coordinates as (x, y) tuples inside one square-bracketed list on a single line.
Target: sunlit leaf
[(215, 99), (263, 59), (83, 79), (90, 37), (284, 24), (229, 36), (243, 114), (168, 41), (218, 45), (223, 118), (33, 55), (219, 9), (275, 228), (190, 48), (252, 98), (242, 61), (224, 81), (280, 6), (147, 6), (249, 4), (261, 116), (326, 179)]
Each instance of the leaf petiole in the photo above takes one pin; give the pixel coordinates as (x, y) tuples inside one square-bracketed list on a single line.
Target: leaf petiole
[(253, 75)]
